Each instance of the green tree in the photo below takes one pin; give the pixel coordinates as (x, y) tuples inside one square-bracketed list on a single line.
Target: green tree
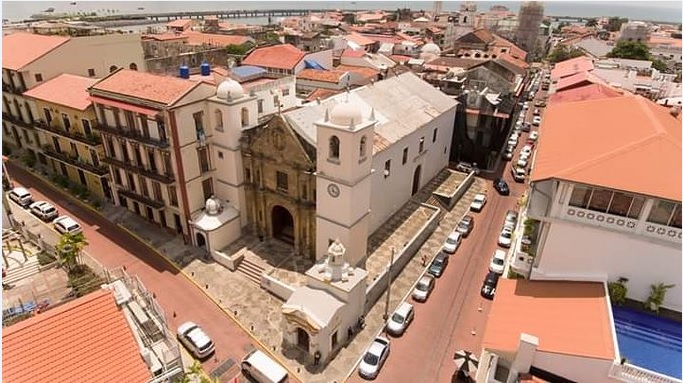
[(614, 23), (592, 22), (660, 65), (562, 53), (69, 248), (242, 49), (634, 50)]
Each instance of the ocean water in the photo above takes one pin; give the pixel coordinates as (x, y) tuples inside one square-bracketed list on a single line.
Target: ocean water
[(669, 11)]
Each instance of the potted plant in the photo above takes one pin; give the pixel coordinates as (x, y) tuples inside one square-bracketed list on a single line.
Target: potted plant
[(618, 290), (656, 298)]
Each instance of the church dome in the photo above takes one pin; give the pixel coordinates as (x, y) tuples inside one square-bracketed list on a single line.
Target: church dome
[(212, 206), (345, 114), (431, 48), (229, 87)]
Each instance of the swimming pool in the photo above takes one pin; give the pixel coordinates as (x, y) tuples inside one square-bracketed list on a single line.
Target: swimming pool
[(649, 341)]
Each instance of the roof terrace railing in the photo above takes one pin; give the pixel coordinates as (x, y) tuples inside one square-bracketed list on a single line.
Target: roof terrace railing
[(633, 374)]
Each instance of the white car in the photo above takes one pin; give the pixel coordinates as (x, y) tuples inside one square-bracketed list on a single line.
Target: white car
[(44, 210), (505, 238), (518, 174), (522, 162), (533, 136), (374, 358), (478, 202), (452, 242), (66, 224), (536, 121), (497, 264), (195, 340), (21, 196), (423, 288), (526, 150)]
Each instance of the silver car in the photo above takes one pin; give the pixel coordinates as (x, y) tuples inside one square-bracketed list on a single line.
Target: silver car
[(374, 358), (423, 288), (44, 210), (195, 340)]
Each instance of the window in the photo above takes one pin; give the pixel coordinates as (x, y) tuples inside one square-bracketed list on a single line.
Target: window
[(334, 148), (285, 92), (117, 176), (220, 154), (39, 77), (48, 116), (665, 213), (199, 125), (207, 188), (247, 174), (387, 168), (131, 182), (422, 145), (600, 199), (143, 186), (91, 72), (607, 201), (218, 115), (133, 66), (67, 122), (580, 196), (203, 156), (74, 149), (363, 144), (434, 135), (260, 106), (173, 196), (156, 189), (282, 181), (405, 155), (130, 120), (112, 68)]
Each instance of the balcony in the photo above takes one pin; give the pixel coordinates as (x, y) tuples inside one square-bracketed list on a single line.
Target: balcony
[(75, 161), (156, 204), (16, 120), (13, 89), (166, 178), (135, 136), (91, 139), (630, 373)]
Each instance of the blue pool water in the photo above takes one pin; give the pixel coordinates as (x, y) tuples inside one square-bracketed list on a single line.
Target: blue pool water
[(649, 341)]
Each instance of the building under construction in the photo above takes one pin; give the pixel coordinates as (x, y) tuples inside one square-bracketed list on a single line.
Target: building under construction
[(530, 17)]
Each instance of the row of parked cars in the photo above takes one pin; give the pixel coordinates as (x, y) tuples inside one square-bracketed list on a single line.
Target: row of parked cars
[(400, 319), (45, 211)]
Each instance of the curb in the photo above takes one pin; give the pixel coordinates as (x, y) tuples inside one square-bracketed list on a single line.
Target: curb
[(170, 262)]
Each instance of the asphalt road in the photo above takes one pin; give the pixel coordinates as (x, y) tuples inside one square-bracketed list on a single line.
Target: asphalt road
[(175, 293)]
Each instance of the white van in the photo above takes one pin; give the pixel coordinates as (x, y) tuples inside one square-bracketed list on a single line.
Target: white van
[(21, 196), (258, 366)]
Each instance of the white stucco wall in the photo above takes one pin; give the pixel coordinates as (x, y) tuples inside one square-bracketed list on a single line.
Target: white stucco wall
[(576, 368), (580, 252)]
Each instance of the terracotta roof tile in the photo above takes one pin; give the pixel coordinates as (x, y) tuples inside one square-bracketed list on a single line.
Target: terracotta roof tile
[(363, 71), (353, 53), (66, 89), (331, 76), (570, 318), (515, 61), (164, 36), (284, 56), (146, 86), (576, 79), (20, 49), (180, 23), (322, 94), (571, 66), (359, 39), (85, 340), (605, 142), (587, 92)]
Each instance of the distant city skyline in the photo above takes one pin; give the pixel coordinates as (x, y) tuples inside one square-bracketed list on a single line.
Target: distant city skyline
[(668, 11)]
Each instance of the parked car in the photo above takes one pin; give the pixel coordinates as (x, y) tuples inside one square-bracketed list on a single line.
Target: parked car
[(511, 218), (488, 288), (497, 264), (526, 127), (465, 225), (374, 358), (507, 155), (533, 136), (400, 319), (537, 112), (438, 265), (66, 224), (536, 121), (501, 186), (452, 242), (526, 150), (505, 237), (423, 288), (518, 174), (466, 167), (522, 162), (478, 203), (540, 103), (256, 365), (44, 210), (21, 196), (195, 340)]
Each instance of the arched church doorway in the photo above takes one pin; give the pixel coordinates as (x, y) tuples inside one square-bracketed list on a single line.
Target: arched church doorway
[(302, 338), (201, 240), (416, 179), (283, 224)]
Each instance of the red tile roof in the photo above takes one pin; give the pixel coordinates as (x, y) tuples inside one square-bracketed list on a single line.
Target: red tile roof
[(576, 79), (353, 53), (85, 340), (66, 89), (331, 76), (515, 61), (400, 58), (363, 71), (587, 92), (146, 86), (625, 143), (571, 66), (322, 94), (359, 39), (284, 56), (180, 23), (570, 318), (168, 36), (20, 49)]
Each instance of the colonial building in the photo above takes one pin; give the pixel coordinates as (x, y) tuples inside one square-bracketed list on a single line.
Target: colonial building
[(67, 132)]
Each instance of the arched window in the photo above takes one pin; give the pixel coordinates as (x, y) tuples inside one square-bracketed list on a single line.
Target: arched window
[(245, 117), (334, 148), (477, 55), (133, 66), (112, 68), (363, 146), (218, 115)]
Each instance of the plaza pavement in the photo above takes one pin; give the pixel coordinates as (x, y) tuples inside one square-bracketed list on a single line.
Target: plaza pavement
[(260, 312)]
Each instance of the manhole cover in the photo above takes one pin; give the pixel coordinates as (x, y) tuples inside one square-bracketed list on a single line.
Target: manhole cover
[(222, 369)]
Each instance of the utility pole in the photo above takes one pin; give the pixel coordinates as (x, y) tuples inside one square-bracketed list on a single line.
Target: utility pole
[(386, 308)]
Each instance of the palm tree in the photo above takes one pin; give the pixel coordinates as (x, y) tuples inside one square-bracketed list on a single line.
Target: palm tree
[(69, 248)]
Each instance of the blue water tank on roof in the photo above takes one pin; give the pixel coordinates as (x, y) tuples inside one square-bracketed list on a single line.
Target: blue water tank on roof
[(184, 71), (205, 69)]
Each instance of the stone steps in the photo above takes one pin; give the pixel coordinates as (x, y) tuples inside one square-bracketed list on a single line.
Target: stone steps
[(18, 273), (251, 270)]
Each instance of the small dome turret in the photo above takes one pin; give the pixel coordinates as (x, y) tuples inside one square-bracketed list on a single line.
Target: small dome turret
[(230, 88), (346, 114)]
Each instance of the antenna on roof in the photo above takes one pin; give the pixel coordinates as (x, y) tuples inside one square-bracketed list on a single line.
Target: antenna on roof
[(327, 114)]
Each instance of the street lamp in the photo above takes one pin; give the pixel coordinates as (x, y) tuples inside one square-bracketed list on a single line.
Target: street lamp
[(386, 308)]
